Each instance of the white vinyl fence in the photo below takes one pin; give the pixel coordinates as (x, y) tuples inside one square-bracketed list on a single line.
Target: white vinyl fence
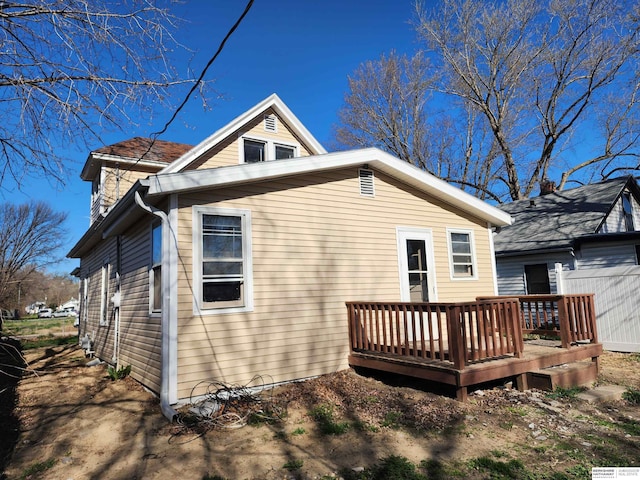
[(617, 300)]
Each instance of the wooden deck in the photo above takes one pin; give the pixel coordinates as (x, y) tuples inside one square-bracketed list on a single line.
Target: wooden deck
[(465, 344)]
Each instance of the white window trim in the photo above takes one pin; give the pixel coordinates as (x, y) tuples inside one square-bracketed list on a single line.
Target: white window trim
[(198, 211), (104, 294), (153, 312), (402, 235), (85, 300), (270, 146), (474, 263)]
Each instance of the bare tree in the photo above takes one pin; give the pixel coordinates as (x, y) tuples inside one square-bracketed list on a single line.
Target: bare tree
[(71, 68), (30, 237), (530, 90), (390, 105)]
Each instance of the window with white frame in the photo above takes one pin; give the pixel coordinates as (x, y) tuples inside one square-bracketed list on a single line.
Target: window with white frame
[(85, 300), (461, 254), (222, 266), (255, 150), (155, 273), (104, 294)]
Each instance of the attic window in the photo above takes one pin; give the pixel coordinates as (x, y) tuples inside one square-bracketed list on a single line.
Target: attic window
[(366, 182), (627, 211), (270, 123)]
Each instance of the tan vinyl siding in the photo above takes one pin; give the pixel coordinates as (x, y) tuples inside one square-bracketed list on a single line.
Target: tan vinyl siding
[(140, 333), (227, 152), (316, 244), (117, 182), (91, 268)]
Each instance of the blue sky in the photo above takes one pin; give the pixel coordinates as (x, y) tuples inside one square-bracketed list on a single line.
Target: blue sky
[(301, 50)]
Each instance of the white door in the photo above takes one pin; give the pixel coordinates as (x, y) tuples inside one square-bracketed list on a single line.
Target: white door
[(415, 262)]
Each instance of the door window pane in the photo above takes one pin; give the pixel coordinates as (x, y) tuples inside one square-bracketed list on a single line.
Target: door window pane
[(417, 271)]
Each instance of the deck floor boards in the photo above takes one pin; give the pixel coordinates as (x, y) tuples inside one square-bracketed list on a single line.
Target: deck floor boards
[(536, 355)]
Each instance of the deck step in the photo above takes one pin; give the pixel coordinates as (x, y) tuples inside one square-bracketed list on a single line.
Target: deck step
[(567, 375)]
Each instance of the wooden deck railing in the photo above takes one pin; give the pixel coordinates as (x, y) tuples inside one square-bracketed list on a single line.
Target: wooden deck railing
[(457, 333), (571, 317)]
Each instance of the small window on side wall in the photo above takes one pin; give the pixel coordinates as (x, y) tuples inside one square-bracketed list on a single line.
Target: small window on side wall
[(461, 254), (285, 151), (104, 294), (254, 151), (155, 274)]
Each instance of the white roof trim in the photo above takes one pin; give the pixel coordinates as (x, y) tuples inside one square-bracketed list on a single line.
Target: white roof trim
[(165, 183), (273, 101)]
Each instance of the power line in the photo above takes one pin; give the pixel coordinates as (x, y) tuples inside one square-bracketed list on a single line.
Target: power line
[(199, 81), (204, 71)]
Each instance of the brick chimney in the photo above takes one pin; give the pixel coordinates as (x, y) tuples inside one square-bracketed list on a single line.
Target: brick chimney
[(547, 187)]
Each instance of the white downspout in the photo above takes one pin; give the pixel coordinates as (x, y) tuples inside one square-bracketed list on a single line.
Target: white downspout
[(167, 332)]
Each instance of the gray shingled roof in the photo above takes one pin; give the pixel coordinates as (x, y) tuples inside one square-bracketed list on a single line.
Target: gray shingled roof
[(555, 220)]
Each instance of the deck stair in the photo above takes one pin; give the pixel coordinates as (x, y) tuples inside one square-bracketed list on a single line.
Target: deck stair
[(567, 375)]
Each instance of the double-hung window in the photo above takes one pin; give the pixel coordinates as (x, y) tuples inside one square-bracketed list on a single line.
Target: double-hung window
[(155, 275), (223, 256), (461, 254)]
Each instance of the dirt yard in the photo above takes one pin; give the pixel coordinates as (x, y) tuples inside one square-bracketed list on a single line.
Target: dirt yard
[(73, 422)]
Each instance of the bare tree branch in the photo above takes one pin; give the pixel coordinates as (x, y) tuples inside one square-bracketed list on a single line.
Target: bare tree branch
[(73, 68)]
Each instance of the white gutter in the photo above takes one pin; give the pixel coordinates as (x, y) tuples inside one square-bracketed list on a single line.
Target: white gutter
[(169, 327)]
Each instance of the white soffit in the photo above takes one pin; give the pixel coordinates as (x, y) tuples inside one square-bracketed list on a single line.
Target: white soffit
[(192, 180)]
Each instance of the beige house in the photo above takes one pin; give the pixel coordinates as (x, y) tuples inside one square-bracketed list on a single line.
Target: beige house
[(234, 258)]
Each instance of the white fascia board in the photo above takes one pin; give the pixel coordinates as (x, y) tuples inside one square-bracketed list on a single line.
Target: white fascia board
[(136, 161), (88, 166), (191, 180), (273, 101)]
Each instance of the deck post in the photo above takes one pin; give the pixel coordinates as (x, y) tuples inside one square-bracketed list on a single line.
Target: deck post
[(461, 394), (563, 318), (457, 353), (522, 382), (593, 329)]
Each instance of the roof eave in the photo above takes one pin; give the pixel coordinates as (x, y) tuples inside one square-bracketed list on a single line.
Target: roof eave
[(88, 169), (165, 183), (121, 215), (537, 251)]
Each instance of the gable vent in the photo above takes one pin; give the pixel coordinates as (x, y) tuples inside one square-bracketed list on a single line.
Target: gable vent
[(366, 182), (270, 123)]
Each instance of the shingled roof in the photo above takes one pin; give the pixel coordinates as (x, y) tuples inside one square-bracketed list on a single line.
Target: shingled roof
[(147, 149), (555, 220)]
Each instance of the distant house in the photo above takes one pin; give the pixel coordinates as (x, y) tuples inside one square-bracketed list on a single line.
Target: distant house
[(581, 240), (235, 257)]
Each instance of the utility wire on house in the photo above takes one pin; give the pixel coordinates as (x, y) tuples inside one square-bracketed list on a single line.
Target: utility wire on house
[(154, 136)]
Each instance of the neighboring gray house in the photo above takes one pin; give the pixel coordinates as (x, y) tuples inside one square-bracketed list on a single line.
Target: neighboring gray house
[(583, 240)]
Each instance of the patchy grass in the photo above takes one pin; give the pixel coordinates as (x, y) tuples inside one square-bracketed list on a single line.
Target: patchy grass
[(35, 326), (565, 393), (632, 395), (48, 341), (292, 465), (37, 468), (323, 415), (393, 467)]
